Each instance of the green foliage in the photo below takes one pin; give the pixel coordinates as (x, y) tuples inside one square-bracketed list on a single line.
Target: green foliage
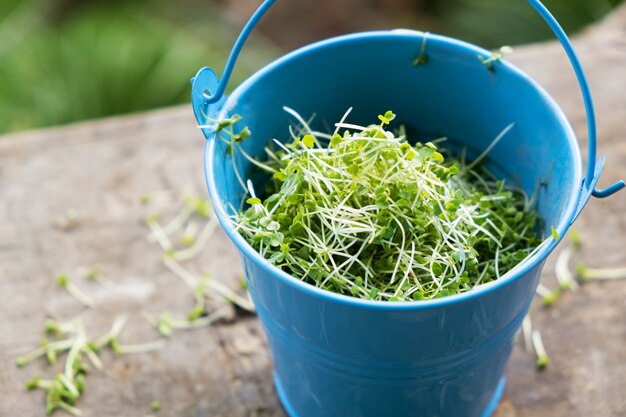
[(491, 23), (371, 216), (101, 61)]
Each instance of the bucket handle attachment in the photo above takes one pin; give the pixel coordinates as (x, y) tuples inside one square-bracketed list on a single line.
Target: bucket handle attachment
[(592, 174), (234, 54)]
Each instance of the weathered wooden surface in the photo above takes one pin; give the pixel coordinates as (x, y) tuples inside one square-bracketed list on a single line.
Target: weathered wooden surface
[(102, 168)]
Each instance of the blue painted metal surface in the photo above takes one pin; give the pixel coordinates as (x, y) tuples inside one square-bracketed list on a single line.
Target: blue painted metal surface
[(338, 356)]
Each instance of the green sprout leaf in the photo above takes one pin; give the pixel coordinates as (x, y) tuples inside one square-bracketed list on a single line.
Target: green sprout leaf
[(555, 234), (308, 141)]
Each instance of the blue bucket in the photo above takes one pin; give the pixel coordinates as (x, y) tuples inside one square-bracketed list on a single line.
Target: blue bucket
[(338, 356)]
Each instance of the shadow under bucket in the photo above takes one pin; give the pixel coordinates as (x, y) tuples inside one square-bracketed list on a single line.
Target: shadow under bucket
[(338, 356)]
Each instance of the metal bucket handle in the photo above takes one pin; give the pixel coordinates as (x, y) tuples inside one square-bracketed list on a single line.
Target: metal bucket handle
[(206, 81)]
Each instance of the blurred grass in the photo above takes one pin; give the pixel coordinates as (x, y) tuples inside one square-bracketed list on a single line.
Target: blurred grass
[(68, 60), (101, 61), (493, 23)]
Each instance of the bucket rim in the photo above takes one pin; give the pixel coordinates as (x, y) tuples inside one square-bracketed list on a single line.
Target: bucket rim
[(535, 260)]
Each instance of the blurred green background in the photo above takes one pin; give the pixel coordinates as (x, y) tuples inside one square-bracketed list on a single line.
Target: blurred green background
[(63, 61)]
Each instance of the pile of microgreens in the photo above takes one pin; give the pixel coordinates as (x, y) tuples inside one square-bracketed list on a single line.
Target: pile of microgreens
[(193, 225), (363, 212)]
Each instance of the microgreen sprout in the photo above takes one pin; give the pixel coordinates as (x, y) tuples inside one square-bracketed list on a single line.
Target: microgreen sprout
[(166, 323), (158, 234), (585, 273), (542, 356), (566, 279), (189, 235), (95, 274), (65, 282), (196, 247), (155, 406), (371, 216), (495, 56), (145, 199), (46, 349), (527, 329), (588, 274), (120, 349), (555, 234), (548, 296), (422, 58)]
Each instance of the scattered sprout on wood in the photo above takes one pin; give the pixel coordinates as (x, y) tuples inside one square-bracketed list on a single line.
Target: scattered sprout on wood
[(527, 329), (371, 216), (566, 279), (96, 274), (533, 343), (495, 56), (64, 390), (202, 287), (65, 282), (542, 356), (166, 323), (422, 58), (155, 406), (596, 274), (145, 199), (548, 296)]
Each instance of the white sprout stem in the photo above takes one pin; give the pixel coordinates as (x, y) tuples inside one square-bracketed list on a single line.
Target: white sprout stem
[(538, 346), (395, 269), (107, 282), (605, 274), (67, 383), (73, 356), (496, 265), (342, 121), (231, 296), (193, 251), (59, 346), (255, 162), (490, 147), (353, 127), (527, 329), (70, 409), (181, 272), (176, 223), (563, 274), (93, 358), (299, 118), (543, 291), (79, 295), (143, 348), (181, 324), (159, 235), (203, 321), (70, 326), (423, 46), (116, 329), (190, 232)]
